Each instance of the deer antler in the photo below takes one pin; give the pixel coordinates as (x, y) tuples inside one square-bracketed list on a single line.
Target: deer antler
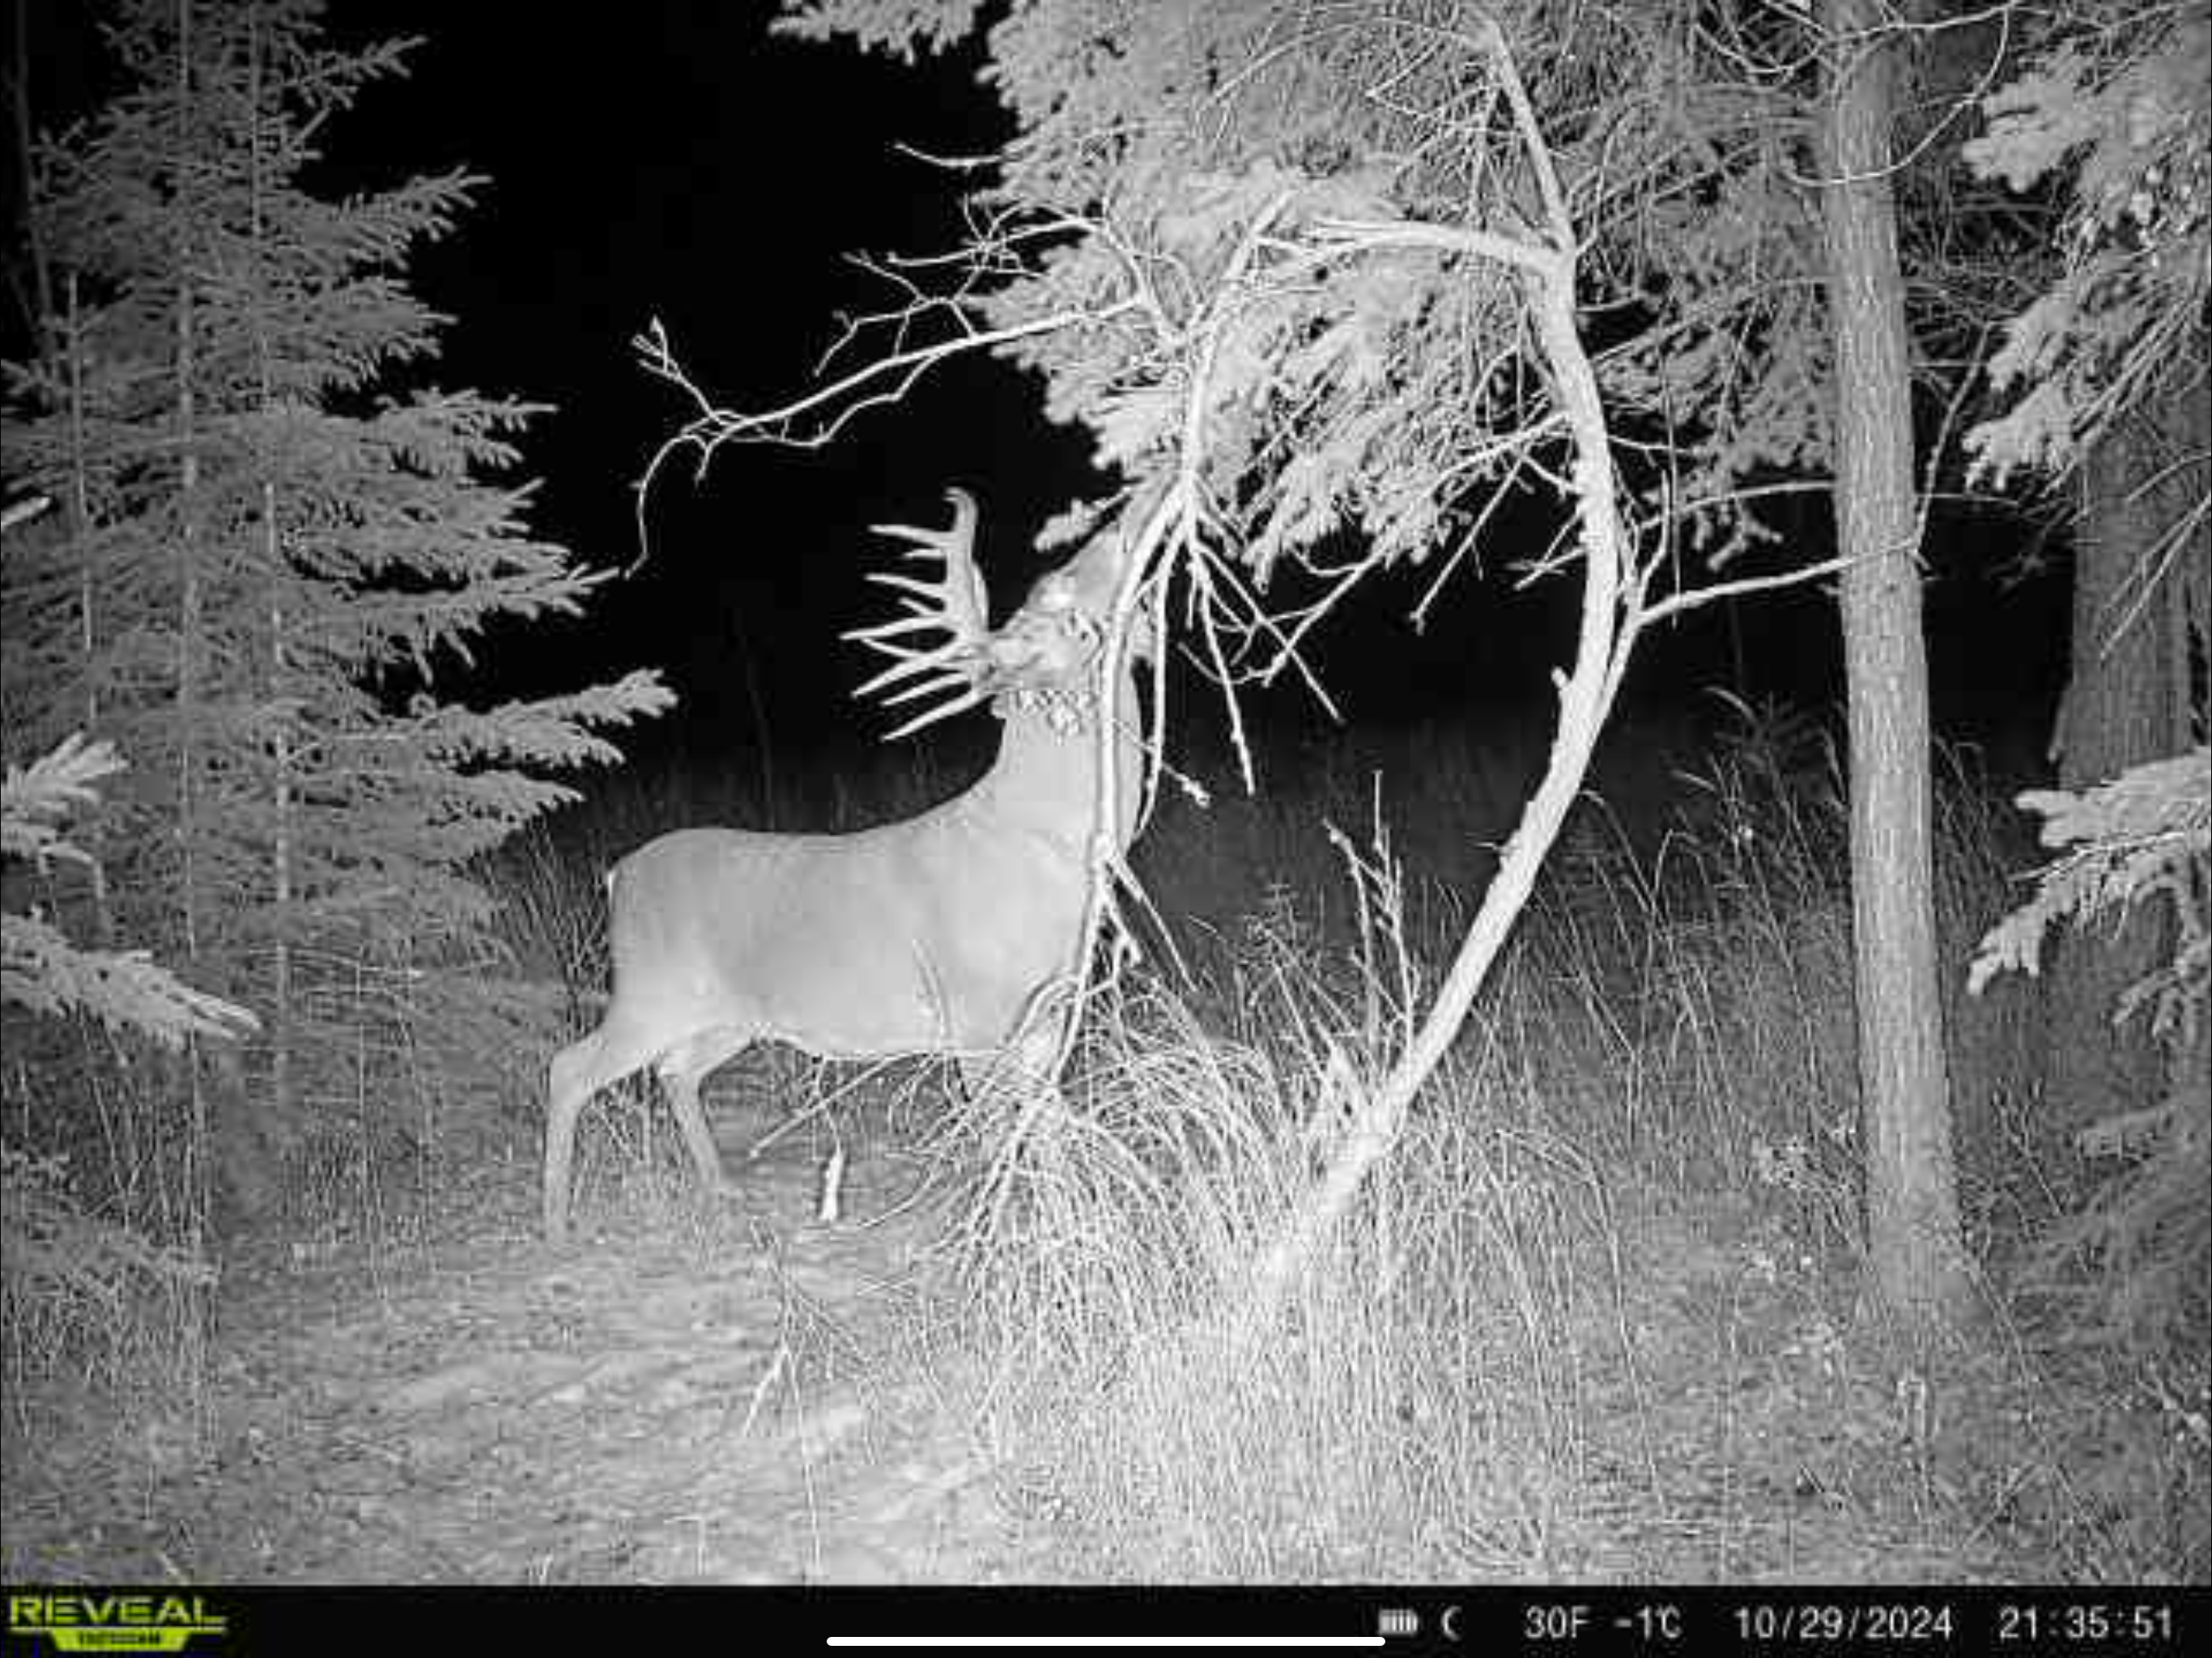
[(956, 602)]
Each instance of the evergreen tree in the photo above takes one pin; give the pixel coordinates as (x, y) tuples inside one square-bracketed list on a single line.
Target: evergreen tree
[(277, 548), (2105, 368), (1374, 363)]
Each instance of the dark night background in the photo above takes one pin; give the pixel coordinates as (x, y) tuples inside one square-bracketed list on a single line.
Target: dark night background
[(675, 160), (1281, 1289)]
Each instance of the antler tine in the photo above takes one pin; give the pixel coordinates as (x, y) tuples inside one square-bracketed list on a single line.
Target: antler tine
[(924, 591), (960, 704), (959, 596), (882, 634), (910, 665), (951, 679)]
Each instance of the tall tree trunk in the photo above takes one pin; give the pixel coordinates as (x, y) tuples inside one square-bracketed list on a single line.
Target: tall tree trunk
[(189, 599), (2127, 701), (1921, 1282), (91, 836), (223, 1122), (278, 1020)]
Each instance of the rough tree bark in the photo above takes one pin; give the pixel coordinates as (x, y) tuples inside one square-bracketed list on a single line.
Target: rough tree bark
[(2127, 701), (1920, 1281)]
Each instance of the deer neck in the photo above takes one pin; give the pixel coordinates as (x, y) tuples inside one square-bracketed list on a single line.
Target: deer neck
[(1046, 779)]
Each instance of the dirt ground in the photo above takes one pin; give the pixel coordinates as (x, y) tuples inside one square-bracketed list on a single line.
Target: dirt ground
[(731, 1392), (712, 1395)]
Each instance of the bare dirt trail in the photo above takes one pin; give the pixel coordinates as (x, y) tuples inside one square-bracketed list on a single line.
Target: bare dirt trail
[(712, 1397), (730, 1393)]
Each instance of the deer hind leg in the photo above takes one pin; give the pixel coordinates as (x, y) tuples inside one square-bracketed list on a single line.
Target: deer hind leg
[(578, 1072), (681, 1073)]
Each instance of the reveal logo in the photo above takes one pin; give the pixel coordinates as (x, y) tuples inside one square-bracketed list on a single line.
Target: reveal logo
[(112, 1623)]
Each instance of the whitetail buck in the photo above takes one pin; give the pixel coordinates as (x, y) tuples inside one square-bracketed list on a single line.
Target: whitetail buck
[(932, 935)]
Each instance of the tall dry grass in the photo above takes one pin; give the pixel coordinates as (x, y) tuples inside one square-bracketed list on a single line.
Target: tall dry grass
[(1594, 1316)]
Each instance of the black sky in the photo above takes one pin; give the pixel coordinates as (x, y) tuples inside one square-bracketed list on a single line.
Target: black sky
[(683, 163), (675, 160)]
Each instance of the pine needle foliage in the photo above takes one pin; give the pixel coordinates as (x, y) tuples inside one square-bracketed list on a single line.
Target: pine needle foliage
[(278, 550), (2108, 116)]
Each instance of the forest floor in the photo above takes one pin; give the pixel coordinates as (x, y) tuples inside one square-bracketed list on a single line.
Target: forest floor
[(684, 1393), (735, 1392)]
